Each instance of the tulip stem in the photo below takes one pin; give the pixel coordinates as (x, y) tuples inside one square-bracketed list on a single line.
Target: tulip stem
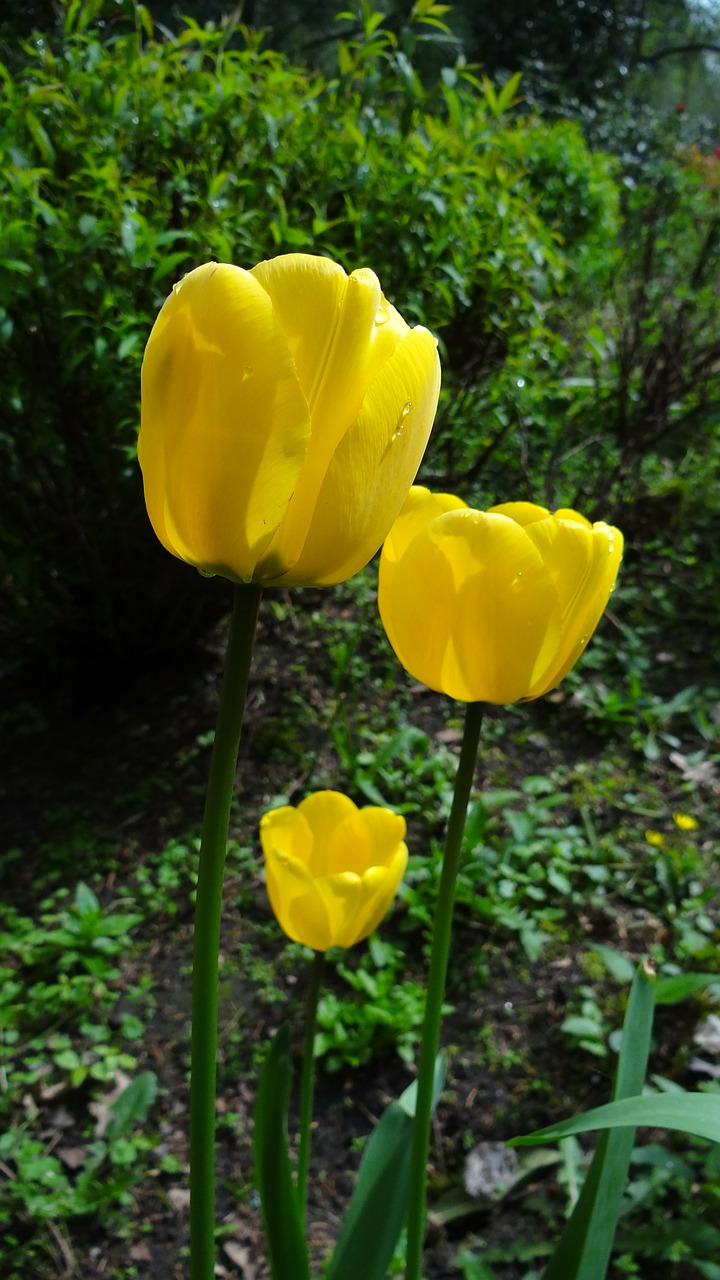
[(308, 1079), (213, 848), (442, 928)]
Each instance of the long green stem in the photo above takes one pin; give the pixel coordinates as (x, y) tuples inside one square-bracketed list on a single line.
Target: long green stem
[(206, 947), (308, 1079), (442, 929)]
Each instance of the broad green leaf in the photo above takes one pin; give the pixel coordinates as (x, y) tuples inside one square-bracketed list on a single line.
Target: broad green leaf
[(584, 1248), (617, 965), (694, 1113), (276, 1187), (682, 985), (379, 1202), (132, 1106)]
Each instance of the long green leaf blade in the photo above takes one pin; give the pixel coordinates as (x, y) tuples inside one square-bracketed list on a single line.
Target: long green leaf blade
[(694, 1113), (584, 1248), (379, 1202), (281, 1214)]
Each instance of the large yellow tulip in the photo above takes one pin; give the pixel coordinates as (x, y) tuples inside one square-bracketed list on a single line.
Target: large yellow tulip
[(285, 412), (493, 606), (332, 869)]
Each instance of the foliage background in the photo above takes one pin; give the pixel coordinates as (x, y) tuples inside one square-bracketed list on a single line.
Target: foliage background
[(560, 232)]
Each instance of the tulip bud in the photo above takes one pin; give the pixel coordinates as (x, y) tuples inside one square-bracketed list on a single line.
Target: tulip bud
[(332, 869), (493, 606), (285, 412)]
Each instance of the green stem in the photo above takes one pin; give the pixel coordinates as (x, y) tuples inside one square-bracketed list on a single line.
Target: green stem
[(442, 930), (308, 1079), (206, 947)]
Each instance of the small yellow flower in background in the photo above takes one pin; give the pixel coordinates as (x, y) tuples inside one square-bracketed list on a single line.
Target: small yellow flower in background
[(655, 837), (285, 412), (332, 869), (685, 821), (493, 606)]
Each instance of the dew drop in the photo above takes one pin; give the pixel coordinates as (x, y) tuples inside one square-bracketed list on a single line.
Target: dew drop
[(407, 408), (382, 315), (205, 573), (247, 371)]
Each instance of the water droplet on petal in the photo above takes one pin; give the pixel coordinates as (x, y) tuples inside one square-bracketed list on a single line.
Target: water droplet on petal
[(205, 573), (407, 409), (247, 371), (382, 315)]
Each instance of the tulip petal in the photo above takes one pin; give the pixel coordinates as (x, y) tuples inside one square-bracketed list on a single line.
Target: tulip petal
[(377, 906), (584, 561), (523, 513), (374, 466), (421, 506), (341, 332), (287, 831), (324, 812), (297, 903), (369, 838), (474, 611), (225, 425), (355, 904)]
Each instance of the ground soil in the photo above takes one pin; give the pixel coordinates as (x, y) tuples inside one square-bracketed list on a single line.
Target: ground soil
[(116, 753)]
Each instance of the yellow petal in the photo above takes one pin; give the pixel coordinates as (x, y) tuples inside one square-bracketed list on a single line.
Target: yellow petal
[(583, 561), (287, 831), (369, 477), (296, 901), (341, 332), (420, 509), (377, 906), (324, 812), (523, 513), (225, 425), (474, 612), (356, 904), (368, 838)]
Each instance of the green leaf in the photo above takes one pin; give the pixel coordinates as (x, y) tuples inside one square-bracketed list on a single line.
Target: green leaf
[(86, 904), (681, 985), (694, 1113), (281, 1213), (379, 1202), (617, 965), (132, 1106), (584, 1248)]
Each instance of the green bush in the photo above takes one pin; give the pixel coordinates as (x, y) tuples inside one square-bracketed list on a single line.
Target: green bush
[(126, 160)]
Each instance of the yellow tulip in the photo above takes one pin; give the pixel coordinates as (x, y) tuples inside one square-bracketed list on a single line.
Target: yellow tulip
[(285, 412), (332, 869), (493, 606)]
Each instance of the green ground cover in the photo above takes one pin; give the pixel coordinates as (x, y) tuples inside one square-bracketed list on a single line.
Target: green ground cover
[(574, 293)]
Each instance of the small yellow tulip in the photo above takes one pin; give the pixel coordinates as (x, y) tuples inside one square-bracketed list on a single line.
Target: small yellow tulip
[(493, 606), (332, 869), (685, 821), (285, 412)]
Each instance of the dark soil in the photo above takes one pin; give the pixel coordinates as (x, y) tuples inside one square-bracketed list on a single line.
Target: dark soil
[(115, 753)]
